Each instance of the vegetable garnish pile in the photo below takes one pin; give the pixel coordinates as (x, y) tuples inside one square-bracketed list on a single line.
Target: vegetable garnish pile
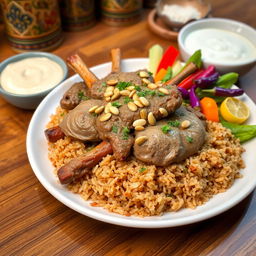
[(204, 89)]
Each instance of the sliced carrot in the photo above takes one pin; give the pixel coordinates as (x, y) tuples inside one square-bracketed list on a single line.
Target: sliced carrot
[(160, 75), (210, 109)]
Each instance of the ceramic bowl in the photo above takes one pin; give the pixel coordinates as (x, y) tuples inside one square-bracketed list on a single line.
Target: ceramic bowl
[(30, 101), (239, 28)]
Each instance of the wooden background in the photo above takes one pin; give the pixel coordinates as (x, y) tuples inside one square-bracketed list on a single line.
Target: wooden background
[(32, 222)]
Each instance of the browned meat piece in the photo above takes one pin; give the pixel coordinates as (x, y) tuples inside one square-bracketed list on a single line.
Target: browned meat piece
[(72, 97), (53, 134), (114, 129), (79, 123), (176, 144), (99, 87), (77, 167)]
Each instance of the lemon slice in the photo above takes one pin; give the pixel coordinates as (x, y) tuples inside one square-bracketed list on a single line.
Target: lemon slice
[(234, 110)]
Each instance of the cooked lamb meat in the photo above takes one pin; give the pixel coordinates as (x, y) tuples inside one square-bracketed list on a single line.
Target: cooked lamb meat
[(124, 120), (168, 142), (79, 123), (99, 87), (77, 93)]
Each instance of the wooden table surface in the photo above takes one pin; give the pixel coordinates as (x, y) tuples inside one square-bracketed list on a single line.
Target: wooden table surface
[(34, 223)]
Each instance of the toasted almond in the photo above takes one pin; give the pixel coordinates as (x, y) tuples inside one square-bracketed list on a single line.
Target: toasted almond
[(99, 109), (112, 82), (152, 86), (107, 99), (163, 90), (133, 107), (92, 109), (132, 93), (110, 89), (130, 88), (114, 110), (106, 110), (125, 92), (144, 101), (145, 81), (143, 114), (185, 124), (105, 117), (135, 97), (115, 96), (140, 140), (159, 83), (143, 74), (163, 112), (139, 128), (108, 94), (138, 103), (139, 122), (151, 119)]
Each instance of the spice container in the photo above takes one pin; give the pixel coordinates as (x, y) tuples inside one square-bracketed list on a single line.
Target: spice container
[(32, 25), (77, 14), (121, 13)]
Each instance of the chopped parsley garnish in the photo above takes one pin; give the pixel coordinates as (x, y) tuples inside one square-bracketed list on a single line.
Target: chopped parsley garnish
[(175, 123), (150, 73), (94, 114), (170, 195), (125, 133), (142, 169), (116, 104), (81, 96), (62, 114), (122, 85), (103, 85), (160, 94), (127, 100), (114, 129), (165, 128), (145, 93), (189, 139), (137, 88)]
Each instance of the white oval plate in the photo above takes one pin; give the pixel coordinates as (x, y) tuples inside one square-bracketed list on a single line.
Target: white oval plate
[(41, 165)]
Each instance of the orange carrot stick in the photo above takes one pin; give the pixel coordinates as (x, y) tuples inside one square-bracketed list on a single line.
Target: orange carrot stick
[(160, 75), (210, 109)]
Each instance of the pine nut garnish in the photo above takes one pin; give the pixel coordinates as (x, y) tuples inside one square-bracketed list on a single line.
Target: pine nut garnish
[(139, 122), (152, 86), (143, 114), (143, 74), (163, 112), (106, 110), (112, 82), (115, 96), (151, 119), (163, 90), (107, 99), (108, 94), (105, 117), (130, 88), (138, 103), (135, 97), (144, 101), (159, 84), (139, 128), (145, 81), (185, 124), (92, 109), (125, 92), (114, 110), (132, 106), (116, 90), (140, 140), (99, 109), (110, 89), (132, 93)]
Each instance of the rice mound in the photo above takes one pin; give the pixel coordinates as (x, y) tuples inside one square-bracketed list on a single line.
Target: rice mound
[(135, 188)]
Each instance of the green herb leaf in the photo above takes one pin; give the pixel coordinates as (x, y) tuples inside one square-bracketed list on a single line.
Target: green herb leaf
[(142, 169), (189, 139), (122, 85), (150, 73), (137, 88), (241, 131), (175, 123), (81, 96), (114, 129), (165, 128), (160, 94), (227, 80), (125, 133), (127, 100), (168, 75), (116, 104), (145, 93)]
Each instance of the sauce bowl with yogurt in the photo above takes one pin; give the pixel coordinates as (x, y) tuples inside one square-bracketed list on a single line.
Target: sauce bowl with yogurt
[(26, 78), (227, 44)]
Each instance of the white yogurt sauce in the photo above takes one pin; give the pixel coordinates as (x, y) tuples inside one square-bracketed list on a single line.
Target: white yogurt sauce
[(220, 46), (31, 75)]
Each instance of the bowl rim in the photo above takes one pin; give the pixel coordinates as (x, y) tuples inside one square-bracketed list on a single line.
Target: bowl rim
[(181, 38), (25, 55)]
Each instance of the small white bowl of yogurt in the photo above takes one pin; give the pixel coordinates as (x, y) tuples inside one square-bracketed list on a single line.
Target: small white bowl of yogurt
[(26, 78), (227, 44)]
